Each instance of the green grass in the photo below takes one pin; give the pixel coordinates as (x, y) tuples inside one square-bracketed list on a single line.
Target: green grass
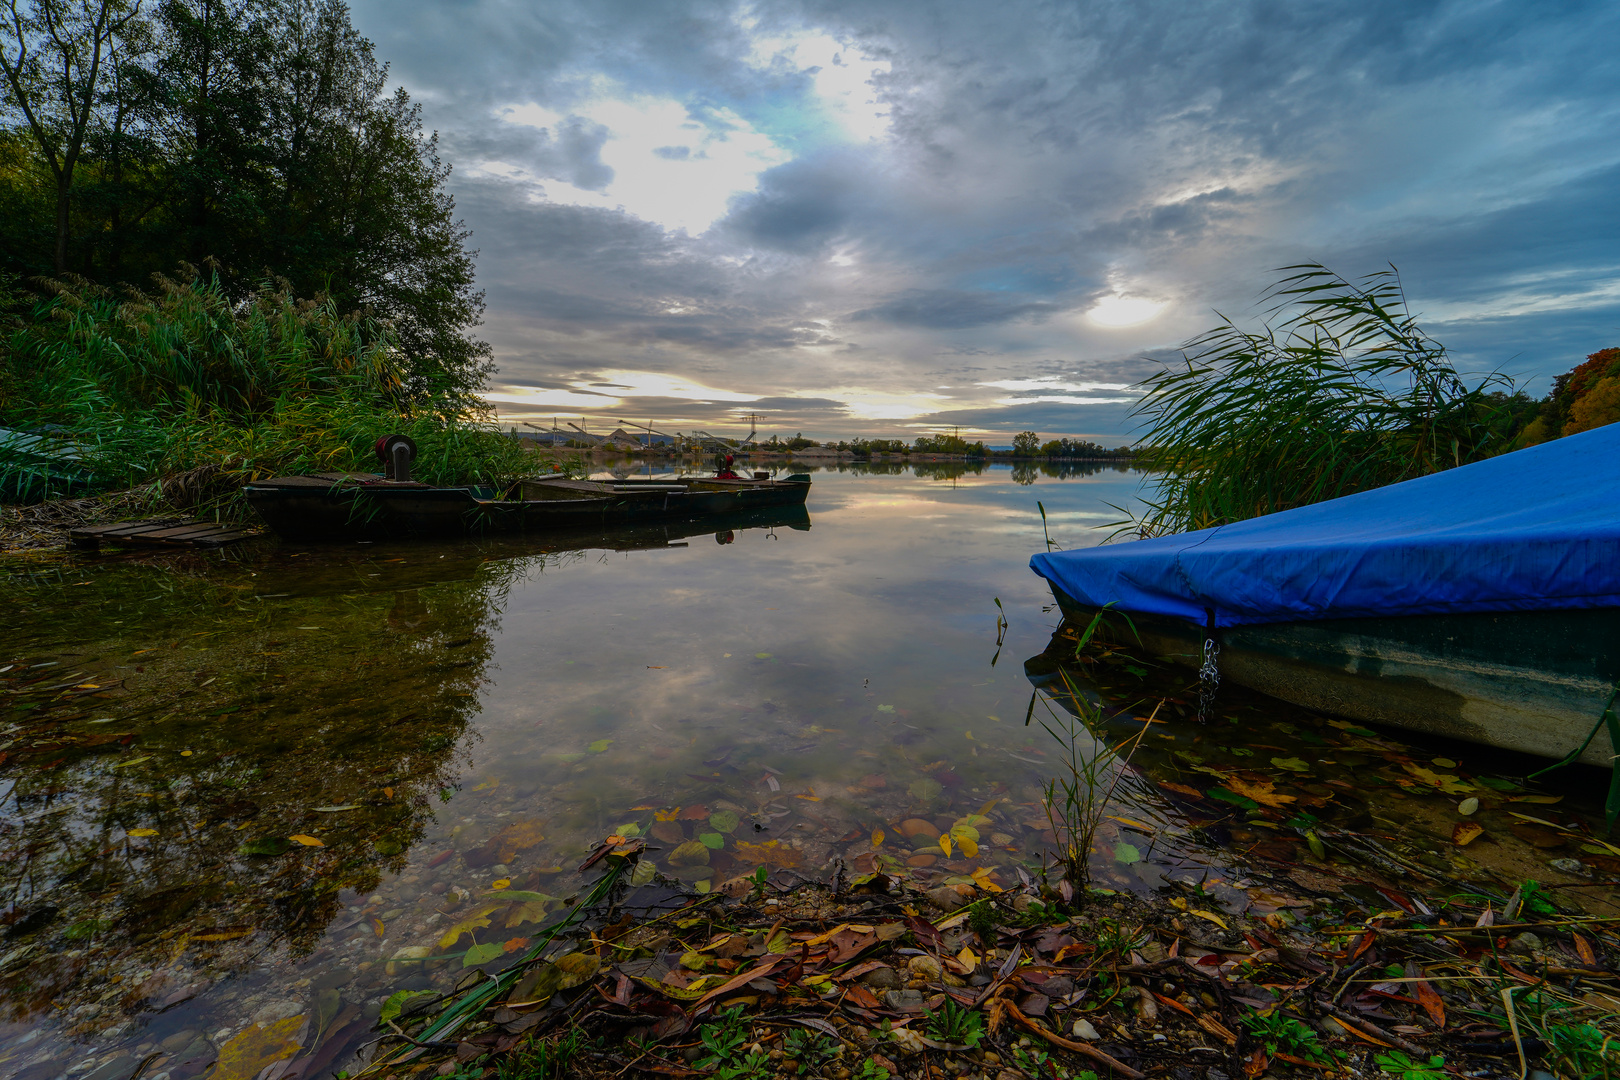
[(1339, 392), (190, 394)]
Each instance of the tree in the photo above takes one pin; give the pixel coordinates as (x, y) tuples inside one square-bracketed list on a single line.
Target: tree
[(1026, 444), (258, 137), (52, 59)]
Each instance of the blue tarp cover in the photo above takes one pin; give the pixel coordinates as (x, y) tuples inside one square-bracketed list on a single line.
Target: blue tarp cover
[(1530, 530)]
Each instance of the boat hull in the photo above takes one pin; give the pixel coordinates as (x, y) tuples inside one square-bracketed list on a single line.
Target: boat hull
[(1533, 682), (327, 507)]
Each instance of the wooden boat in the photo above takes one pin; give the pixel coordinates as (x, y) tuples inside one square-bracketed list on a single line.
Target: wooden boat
[(362, 505), (1529, 681)]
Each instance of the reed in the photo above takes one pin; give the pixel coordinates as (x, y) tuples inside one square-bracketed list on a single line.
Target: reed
[(203, 393), (1340, 391), (1076, 800)]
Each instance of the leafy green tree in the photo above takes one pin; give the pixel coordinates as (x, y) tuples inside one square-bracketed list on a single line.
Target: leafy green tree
[(1026, 444), (54, 54), (256, 137)]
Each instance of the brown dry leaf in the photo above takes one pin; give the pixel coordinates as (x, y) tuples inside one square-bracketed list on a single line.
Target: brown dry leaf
[(1263, 792), (1431, 1003), (848, 944), (577, 968), (1465, 832), (519, 836), (770, 853), (260, 1045), (1583, 947)]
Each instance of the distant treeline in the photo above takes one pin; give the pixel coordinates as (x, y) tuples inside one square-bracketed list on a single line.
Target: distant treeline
[(1026, 444), (255, 137)]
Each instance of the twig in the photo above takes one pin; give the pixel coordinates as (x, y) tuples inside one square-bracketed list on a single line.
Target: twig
[(1080, 1048), (1368, 1028)]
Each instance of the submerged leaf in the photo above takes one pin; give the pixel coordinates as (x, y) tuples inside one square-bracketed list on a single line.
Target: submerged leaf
[(1127, 854), (1261, 791), (1465, 832), (724, 821), (258, 1047), (481, 954)]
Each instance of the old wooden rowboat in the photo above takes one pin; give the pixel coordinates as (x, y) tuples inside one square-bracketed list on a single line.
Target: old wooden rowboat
[(349, 505)]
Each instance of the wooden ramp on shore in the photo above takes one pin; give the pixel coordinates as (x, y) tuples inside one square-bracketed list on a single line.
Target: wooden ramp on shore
[(161, 532)]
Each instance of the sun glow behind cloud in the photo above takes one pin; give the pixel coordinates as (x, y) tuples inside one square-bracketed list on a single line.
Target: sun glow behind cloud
[(1117, 311), (842, 77), (672, 165)]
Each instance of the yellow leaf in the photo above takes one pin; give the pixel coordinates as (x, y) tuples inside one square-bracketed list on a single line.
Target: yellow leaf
[(307, 841), (968, 958), (666, 815), (1465, 832), (981, 878), (1211, 916), (478, 917), (501, 883), (770, 853), (377, 928), (945, 843), (1545, 800), (968, 848), (1137, 824), (1263, 792), (1446, 782), (256, 1048), (531, 911), (877, 838), (143, 832)]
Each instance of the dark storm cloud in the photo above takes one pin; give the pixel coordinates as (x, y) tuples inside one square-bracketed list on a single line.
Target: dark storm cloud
[(1038, 158)]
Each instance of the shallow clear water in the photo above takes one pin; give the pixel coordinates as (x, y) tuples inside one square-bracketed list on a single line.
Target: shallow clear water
[(236, 785)]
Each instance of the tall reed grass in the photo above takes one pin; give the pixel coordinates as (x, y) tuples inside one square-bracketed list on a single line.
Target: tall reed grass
[(186, 382), (1340, 391)]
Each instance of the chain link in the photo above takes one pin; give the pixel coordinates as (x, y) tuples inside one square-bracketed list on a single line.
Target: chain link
[(1209, 680)]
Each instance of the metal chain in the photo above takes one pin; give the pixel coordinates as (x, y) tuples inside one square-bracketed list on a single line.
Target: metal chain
[(1209, 680)]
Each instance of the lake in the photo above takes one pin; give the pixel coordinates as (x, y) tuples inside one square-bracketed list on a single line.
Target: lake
[(272, 785)]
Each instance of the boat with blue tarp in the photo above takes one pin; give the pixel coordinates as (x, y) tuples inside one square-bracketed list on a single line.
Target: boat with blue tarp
[(1481, 603)]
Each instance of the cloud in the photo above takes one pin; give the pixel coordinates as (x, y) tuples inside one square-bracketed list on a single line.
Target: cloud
[(840, 207)]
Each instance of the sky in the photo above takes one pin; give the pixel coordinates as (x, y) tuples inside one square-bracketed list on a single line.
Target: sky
[(891, 218)]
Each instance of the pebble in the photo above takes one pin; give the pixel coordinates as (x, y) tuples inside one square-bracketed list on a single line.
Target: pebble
[(884, 978), (117, 1067), (179, 1041), (1525, 944), (946, 898), (276, 1010), (904, 1000), (1082, 1029), (924, 967)]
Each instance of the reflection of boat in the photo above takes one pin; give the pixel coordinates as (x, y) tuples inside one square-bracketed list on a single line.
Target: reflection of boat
[(346, 505), (1482, 603)]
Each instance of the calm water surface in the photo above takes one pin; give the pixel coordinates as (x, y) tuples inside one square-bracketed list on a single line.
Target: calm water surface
[(243, 791)]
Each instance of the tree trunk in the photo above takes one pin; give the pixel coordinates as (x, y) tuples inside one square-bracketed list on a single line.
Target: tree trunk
[(64, 186)]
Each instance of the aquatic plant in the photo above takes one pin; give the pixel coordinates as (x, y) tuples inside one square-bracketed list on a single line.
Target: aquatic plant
[(189, 388), (1339, 392)]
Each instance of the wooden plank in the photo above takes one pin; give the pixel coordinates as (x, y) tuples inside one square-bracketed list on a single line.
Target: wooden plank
[(162, 532)]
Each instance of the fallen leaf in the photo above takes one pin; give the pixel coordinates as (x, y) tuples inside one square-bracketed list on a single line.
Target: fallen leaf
[(529, 911), (1292, 764), (256, 1048), (142, 832), (307, 841), (877, 838), (770, 853), (600, 746), (336, 809), (514, 944), (501, 883), (477, 918), (1127, 854), (1261, 791), (1466, 832), (1211, 916), (481, 954), (1446, 782), (1544, 800), (1431, 1003), (1467, 807)]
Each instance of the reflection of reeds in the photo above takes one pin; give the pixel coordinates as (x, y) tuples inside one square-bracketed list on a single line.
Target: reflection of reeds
[(1344, 394), (1076, 799)]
